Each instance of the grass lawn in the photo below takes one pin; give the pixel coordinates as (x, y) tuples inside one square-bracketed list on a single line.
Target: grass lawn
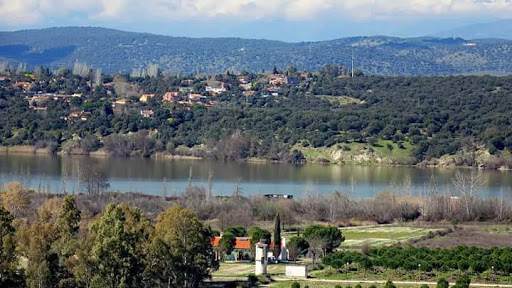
[(381, 235), (232, 269)]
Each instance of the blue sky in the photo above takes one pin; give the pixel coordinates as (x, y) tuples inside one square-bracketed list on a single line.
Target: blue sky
[(286, 20)]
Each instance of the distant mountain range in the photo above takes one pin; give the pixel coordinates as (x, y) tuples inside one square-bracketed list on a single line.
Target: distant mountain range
[(498, 30), (114, 51)]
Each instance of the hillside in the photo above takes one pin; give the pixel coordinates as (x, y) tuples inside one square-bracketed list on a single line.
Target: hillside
[(114, 51), (445, 121)]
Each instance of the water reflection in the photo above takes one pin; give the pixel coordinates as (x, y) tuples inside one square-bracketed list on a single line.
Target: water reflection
[(172, 176)]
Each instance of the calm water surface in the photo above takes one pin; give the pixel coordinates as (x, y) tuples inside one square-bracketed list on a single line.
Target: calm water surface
[(171, 177)]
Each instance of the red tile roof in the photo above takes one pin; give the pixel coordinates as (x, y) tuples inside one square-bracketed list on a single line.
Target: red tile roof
[(241, 242)]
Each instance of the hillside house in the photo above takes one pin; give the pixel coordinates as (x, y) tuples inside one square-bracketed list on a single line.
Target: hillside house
[(196, 97), (215, 87), (274, 91), (172, 96), (147, 113), (243, 79), (247, 86), (78, 115), (249, 93), (26, 86), (276, 79), (145, 97), (185, 89)]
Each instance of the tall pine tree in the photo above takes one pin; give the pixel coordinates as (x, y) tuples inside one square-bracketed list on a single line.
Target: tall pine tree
[(277, 236)]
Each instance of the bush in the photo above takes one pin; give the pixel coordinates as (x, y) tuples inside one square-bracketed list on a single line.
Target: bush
[(295, 285), (337, 286), (252, 279), (424, 286), (358, 286), (462, 282), (442, 283), (389, 284)]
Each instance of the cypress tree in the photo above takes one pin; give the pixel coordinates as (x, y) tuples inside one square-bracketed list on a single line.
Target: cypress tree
[(277, 236)]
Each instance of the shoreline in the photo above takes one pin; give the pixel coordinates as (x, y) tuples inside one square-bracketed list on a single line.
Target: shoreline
[(27, 150)]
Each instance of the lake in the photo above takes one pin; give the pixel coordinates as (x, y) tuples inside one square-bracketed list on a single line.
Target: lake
[(171, 177)]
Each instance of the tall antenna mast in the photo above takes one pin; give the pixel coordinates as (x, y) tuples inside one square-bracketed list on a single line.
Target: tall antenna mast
[(352, 62)]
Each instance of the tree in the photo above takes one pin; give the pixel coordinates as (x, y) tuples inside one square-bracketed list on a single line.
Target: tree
[(118, 238), (296, 246), (93, 180), (69, 217), (227, 243), (442, 283), (331, 235), (9, 274), (236, 231), (277, 236), (16, 199), (180, 254), (256, 233), (67, 244), (43, 268)]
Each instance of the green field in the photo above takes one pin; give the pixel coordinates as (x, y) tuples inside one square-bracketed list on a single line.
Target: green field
[(355, 237)]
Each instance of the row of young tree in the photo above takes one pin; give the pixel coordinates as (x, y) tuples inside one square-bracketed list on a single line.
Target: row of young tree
[(463, 259), (437, 116), (462, 282), (122, 248)]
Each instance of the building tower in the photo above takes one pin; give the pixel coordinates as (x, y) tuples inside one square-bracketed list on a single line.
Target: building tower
[(261, 258)]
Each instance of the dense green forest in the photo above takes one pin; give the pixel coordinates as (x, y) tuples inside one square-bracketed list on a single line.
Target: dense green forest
[(113, 51), (422, 117)]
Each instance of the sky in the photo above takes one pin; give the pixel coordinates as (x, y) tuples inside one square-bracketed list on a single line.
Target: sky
[(286, 20)]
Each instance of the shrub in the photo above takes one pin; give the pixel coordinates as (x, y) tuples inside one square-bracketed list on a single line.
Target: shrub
[(295, 285), (442, 283), (389, 284)]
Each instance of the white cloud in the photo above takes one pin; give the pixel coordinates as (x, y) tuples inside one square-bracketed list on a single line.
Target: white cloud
[(23, 12)]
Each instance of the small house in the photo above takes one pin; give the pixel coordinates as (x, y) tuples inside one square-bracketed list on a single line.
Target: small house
[(215, 87), (145, 97), (147, 113), (172, 96), (241, 250)]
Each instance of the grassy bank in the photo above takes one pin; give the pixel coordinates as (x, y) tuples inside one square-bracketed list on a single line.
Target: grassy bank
[(383, 152)]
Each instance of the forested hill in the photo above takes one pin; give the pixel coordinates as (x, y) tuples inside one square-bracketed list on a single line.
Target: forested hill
[(114, 51)]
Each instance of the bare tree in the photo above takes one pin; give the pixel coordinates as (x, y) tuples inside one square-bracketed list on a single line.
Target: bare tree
[(81, 69), (467, 186), (93, 180), (317, 246), (152, 70), (97, 77)]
